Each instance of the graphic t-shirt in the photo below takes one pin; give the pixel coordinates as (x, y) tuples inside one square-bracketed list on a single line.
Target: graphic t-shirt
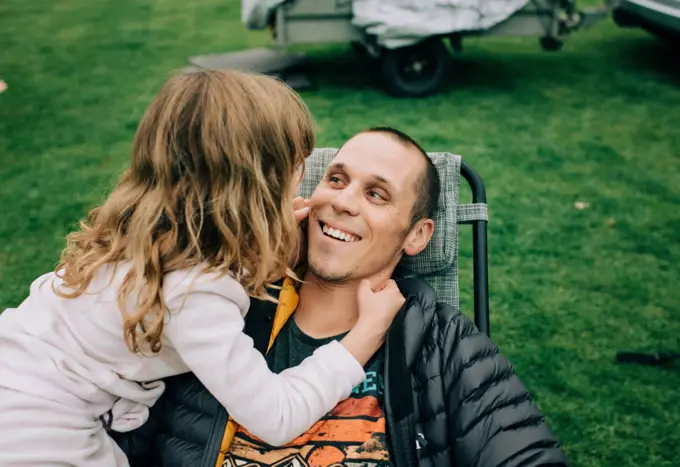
[(350, 435)]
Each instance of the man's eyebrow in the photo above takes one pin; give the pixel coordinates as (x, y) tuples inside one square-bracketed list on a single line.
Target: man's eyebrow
[(341, 166), (381, 179)]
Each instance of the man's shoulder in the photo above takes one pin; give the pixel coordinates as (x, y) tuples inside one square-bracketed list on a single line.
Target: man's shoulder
[(446, 322), (415, 287)]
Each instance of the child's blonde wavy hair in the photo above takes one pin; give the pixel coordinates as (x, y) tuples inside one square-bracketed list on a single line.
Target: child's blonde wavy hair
[(210, 181)]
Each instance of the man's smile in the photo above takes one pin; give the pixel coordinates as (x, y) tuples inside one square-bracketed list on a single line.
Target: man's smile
[(338, 233)]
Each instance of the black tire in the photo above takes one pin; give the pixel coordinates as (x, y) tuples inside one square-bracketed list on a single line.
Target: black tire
[(551, 44), (358, 48), (416, 71)]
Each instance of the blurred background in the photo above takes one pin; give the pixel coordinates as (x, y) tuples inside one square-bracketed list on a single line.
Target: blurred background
[(576, 134)]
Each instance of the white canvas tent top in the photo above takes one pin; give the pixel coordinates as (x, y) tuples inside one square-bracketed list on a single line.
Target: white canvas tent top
[(399, 23)]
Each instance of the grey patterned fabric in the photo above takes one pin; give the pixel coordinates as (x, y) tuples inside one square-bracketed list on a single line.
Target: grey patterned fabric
[(468, 213), (438, 263)]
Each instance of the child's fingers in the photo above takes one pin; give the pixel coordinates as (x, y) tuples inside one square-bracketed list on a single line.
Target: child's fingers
[(300, 208), (299, 203), (301, 214)]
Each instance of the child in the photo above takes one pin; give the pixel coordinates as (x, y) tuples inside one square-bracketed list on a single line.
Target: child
[(157, 281)]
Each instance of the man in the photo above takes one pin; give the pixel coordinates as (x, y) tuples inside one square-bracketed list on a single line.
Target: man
[(438, 393)]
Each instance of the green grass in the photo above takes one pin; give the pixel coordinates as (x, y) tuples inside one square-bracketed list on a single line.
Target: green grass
[(596, 122)]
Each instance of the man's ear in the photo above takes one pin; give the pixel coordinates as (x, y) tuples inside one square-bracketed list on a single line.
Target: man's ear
[(419, 237)]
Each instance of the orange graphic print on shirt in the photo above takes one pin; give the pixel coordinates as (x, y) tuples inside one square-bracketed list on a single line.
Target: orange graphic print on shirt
[(351, 435)]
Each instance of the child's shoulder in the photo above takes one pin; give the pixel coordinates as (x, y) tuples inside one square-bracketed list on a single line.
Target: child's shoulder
[(195, 280)]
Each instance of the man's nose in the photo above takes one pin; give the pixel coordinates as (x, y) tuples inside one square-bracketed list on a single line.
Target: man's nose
[(347, 200)]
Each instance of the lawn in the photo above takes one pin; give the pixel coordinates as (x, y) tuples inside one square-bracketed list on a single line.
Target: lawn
[(596, 123)]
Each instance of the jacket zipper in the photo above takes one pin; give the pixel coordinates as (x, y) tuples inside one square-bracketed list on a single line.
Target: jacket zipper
[(400, 445)]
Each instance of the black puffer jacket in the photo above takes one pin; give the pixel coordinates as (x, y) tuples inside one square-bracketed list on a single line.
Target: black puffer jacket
[(451, 399)]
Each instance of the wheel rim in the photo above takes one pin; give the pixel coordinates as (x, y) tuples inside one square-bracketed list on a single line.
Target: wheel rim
[(416, 67)]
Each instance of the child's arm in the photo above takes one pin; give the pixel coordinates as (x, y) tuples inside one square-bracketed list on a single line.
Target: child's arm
[(207, 334)]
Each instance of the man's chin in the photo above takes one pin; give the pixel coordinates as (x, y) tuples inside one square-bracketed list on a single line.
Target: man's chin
[(331, 277)]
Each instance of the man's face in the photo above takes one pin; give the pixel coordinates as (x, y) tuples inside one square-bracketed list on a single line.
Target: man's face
[(360, 222)]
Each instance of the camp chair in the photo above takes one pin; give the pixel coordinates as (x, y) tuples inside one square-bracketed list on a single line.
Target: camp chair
[(438, 263)]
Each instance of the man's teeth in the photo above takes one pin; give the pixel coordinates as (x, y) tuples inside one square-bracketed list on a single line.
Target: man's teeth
[(339, 234)]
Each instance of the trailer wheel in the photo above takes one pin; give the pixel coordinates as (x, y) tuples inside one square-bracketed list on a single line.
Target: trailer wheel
[(551, 44), (417, 70), (358, 48)]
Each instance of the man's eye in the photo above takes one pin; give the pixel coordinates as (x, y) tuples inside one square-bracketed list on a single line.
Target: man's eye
[(376, 195), (334, 179)]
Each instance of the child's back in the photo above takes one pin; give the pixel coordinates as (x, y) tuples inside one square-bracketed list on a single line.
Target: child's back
[(157, 281), (72, 350)]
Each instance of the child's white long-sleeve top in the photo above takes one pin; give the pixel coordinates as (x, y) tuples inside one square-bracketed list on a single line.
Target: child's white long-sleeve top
[(72, 351)]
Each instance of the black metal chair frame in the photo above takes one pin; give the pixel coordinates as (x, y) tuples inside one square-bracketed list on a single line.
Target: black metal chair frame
[(480, 257)]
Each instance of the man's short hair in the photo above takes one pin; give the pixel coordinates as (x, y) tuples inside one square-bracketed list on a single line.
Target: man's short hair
[(428, 186)]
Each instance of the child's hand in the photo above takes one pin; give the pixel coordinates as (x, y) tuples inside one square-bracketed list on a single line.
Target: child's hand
[(377, 309), (378, 306), (300, 208), (301, 212)]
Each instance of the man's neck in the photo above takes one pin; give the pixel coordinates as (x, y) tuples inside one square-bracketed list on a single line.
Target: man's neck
[(326, 309)]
